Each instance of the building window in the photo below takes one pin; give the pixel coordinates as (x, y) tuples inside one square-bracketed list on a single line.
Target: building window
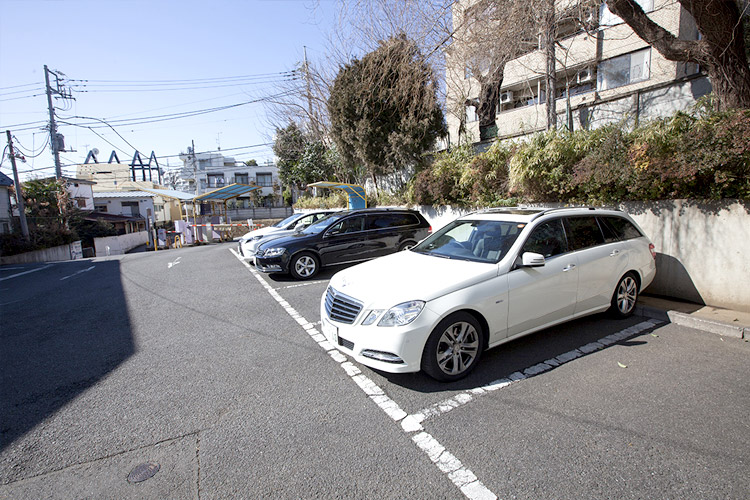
[(216, 181), (130, 208), (240, 178), (264, 180), (623, 70), (81, 202), (607, 18), (100, 208), (471, 114)]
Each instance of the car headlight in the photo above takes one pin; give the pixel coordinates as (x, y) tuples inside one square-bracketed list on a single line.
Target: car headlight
[(274, 252), (402, 314)]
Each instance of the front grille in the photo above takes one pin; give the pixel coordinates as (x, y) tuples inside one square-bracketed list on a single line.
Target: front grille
[(346, 343), (340, 307)]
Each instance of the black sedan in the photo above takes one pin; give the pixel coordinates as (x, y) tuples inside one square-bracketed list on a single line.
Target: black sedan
[(343, 237)]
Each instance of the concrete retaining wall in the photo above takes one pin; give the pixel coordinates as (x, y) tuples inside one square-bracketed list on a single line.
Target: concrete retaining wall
[(63, 252), (118, 245), (703, 247)]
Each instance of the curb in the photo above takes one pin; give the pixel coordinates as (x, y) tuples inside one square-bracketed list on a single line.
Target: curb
[(689, 321)]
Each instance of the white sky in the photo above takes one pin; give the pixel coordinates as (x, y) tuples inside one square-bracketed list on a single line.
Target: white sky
[(138, 56)]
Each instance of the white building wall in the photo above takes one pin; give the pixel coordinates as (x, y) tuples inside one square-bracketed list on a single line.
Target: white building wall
[(523, 75), (5, 210)]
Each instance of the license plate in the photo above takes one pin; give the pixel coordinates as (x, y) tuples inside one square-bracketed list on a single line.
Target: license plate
[(331, 332)]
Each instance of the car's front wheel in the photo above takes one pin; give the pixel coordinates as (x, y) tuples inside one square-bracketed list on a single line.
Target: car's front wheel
[(454, 347), (304, 266), (406, 246), (625, 296)]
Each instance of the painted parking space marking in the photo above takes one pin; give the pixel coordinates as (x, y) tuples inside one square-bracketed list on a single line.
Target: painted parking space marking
[(25, 272), (307, 283), (77, 273), (469, 395), (446, 462), (411, 424)]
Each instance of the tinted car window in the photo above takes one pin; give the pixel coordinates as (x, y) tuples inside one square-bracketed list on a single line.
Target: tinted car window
[(547, 239), (610, 236), (623, 228), (350, 225), (584, 232), (391, 220), (323, 224)]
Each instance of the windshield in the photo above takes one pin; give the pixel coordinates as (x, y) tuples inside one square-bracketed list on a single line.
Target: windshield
[(288, 220), (322, 224), (477, 240)]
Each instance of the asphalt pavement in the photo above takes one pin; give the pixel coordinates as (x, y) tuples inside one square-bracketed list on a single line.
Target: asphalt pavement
[(188, 365)]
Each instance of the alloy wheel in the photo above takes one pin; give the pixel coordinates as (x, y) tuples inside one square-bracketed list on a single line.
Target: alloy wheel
[(627, 294), (457, 348)]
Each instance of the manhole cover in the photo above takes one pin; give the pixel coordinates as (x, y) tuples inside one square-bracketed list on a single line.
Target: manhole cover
[(142, 472)]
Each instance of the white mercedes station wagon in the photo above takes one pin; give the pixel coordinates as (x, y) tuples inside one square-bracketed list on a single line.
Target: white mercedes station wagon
[(483, 280)]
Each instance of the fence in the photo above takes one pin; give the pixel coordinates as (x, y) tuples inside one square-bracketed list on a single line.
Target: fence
[(259, 213)]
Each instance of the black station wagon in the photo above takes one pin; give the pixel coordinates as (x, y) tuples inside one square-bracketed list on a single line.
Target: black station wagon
[(340, 238)]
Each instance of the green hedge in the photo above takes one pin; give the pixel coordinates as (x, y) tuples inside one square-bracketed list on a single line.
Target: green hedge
[(701, 154)]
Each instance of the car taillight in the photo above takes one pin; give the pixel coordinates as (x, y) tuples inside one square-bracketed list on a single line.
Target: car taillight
[(429, 229), (652, 248)]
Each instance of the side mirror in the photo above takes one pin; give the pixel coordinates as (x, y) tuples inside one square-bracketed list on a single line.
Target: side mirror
[(531, 259), (299, 227)]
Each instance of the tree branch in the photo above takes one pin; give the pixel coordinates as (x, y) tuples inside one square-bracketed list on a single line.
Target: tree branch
[(666, 43)]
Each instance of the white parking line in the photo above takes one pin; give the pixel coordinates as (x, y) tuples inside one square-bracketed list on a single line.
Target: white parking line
[(25, 272), (465, 397), (307, 283), (462, 477), (77, 273)]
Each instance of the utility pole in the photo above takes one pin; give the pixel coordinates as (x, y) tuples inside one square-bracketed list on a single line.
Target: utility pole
[(313, 122), (54, 143), (19, 192)]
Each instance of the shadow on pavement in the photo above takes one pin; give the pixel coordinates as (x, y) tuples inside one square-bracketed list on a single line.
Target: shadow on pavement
[(59, 337), (501, 361)]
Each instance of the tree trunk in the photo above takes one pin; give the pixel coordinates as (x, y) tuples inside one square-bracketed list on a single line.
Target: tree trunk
[(721, 51), (550, 77)]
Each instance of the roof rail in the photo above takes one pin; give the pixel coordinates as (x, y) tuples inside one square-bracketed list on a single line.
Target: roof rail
[(548, 210)]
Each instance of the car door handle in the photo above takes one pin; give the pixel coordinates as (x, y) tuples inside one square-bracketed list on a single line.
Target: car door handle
[(614, 253), (569, 267)]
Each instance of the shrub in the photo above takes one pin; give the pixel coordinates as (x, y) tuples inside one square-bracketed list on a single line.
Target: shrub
[(440, 183), (486, 177)]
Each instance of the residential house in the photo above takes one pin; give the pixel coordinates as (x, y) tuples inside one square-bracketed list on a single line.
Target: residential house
[(136, 176), (205, 172), (6, 211), (131, 209), (604, 74)]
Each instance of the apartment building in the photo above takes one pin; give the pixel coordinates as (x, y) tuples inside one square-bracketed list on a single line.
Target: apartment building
[(604, 74), (115, 176), (204, 172)]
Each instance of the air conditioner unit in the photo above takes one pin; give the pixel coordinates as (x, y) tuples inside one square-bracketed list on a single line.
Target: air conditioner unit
[(584, 75), (506, 97)]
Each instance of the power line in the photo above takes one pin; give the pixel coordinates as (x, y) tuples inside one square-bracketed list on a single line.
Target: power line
[(19, 86), (205, 80), (175, 116)]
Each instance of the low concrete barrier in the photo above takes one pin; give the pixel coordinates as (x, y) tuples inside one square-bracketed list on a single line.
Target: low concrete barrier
[(71, 251), (118, 245)]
